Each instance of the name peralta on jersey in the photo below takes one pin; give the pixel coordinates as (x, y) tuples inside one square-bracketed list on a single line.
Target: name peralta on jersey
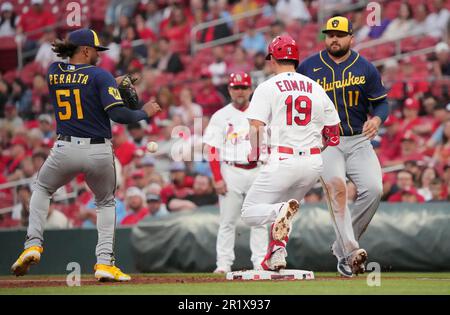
[(81, 95), (295, 108)]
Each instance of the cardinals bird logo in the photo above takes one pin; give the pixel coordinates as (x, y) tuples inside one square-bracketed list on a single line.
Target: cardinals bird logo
[(235, 137)]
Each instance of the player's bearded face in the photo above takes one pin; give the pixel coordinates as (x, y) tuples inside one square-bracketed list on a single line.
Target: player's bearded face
[(93, 56), (338, 43), (240, 95)]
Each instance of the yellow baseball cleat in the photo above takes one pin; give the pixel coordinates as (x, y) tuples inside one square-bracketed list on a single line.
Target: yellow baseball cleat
[(105, 273), (30, 256)]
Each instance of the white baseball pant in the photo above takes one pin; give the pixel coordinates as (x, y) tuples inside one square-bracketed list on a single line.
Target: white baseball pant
[(286, 176), (238, 182)]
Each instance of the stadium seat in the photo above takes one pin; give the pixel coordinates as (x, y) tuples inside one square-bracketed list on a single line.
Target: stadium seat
[(426, 42), (367, 53), (264, 21), (8, 53), (383, 51), (408, 44)]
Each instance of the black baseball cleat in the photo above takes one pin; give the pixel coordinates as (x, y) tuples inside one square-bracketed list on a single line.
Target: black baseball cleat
[(344, 269)]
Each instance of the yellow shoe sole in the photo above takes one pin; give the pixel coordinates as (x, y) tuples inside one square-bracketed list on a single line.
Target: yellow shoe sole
[(21, 268)]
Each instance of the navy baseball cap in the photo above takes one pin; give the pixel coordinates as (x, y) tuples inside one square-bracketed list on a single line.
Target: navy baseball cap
[(86, 37)]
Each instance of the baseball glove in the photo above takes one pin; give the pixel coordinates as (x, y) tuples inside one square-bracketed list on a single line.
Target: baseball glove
[(128, 92)]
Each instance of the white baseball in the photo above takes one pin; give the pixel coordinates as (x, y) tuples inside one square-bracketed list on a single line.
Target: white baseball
[(152, 147)]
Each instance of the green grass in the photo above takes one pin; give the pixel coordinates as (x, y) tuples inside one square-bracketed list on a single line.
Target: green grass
[(325, 283)]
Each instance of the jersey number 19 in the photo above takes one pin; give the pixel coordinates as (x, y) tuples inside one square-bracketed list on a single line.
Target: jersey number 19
[(302, 105)]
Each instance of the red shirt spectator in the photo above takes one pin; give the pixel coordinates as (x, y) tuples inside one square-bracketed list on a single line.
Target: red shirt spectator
[(135, 217), (6, 195), (217, 31), (406, 190), (135, 200), (181, 184), (208, 96), (123, 148), (19, 149), (408, 150), (107, 63), (391, 140), (36, 18), (411, 114), (177, 29), (407, 195), (143, 31)]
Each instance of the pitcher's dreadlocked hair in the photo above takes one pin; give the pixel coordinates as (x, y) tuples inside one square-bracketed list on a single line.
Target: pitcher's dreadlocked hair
[(64, 48)]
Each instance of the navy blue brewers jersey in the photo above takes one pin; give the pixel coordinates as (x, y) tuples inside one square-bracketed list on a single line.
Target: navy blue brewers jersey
[(80, 95), (352, 85)]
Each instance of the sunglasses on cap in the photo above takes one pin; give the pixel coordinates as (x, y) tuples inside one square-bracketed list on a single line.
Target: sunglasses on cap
[(239, 87)]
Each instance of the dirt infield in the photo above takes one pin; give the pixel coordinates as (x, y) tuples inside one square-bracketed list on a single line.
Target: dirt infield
[(59, 282), (52, 281)]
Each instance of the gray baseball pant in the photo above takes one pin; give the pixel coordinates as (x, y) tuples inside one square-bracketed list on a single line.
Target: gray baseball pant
[(354, 158), (66, 160)]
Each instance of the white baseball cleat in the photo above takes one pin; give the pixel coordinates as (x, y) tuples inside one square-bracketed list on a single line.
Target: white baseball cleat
[(276, 261), (283, 223), (357, 260), (221, 270)]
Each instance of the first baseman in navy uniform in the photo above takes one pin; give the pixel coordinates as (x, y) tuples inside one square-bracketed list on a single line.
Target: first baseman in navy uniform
[(84, 98), (354, 85)]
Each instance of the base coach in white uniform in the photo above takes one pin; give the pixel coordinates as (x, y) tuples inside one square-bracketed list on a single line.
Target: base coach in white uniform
[(227, 140)]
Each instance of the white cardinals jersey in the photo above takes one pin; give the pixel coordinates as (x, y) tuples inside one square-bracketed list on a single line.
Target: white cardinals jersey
[(228, 131), (295, 108)]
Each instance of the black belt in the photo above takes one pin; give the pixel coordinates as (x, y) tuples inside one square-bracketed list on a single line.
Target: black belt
[(92, 140), (355, 133)]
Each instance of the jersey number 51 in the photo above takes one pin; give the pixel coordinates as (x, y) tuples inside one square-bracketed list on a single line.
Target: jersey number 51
[(66, 106)]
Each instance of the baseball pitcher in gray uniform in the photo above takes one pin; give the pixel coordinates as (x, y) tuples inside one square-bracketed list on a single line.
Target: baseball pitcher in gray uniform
[(355, 87), (84, 98)]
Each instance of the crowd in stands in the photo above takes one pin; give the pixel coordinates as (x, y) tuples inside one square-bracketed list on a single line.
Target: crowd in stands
[(152, 40)]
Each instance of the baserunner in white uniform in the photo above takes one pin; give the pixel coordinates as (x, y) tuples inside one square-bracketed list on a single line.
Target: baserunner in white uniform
[(299, 115), (227, 141)]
